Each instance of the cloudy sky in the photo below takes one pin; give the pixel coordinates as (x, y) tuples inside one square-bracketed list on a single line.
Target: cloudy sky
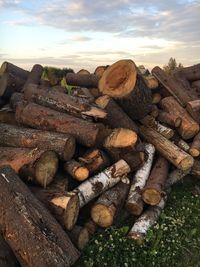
[(87, 33)]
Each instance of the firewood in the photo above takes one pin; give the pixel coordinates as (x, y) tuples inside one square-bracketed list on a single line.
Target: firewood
[(56, 88), (83, 71), (175, 176), (134, 203), (169, 118), (83, 80), (179, 92), (59, 183), (7, 115), (63, 205), (116, 117), (196, 168), (77, 170), (188, 128), (195, 147), (109, 204), (90, 226), (34, 76), (23, 218), (15, 136), (196, 84), (62, 102), (45, 83), (99, 183), (15, 98), (167, 149), (100, 70), (122, 82), (151, 82), (8, 67), (7, 258), (84, 93), (181, 79), (181, 143), (154, 188), (95, 160), (193, 108), (192, 73), (154, 111), (148, 121), (34, 115), (156, 97), (79, 236)]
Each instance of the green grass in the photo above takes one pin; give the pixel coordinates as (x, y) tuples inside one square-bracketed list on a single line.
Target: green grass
[(173, 241)]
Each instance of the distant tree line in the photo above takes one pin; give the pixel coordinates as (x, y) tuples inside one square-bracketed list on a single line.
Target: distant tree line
[(51, 72), (172, 65)]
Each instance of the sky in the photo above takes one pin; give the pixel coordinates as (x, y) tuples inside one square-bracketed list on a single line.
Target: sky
[(88, 33)]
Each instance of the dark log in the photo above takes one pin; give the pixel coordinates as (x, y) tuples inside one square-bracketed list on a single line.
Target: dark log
[(7, 258), (196, 168), (83, 80), (122, 82), (195, 146), (169, 118), (34, 76), (193, 108), (15, 136), (15, 98), (79, 236), (33, 234), (2, 101), (8, 67), (84, 93), (77, 170), (83, 71), (7, 115), (192, 73)]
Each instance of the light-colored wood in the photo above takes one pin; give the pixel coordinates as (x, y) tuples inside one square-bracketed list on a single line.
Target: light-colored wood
[(151, 82), (193, 107), (77, 170), (195, 146)]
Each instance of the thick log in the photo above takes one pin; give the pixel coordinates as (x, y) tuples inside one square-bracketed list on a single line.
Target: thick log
[(34, 76), (196, 168), (79, 236), (109, 204), (193, 107), (116, 117), (134, 203), (33, 234), (188, 128), (167, 149), (7, 258), (77, 170), (122, 82), (33, 164), (83, 80), (15, 99), (62, 102), (179, 92), (86, 133), (181, 79), (169, 118), (7, 115), (154, 188), (192, 73), (151, 81), (83, 71), (8, 67), (99, 183), (195, 146), (15, 136), (100, 70), (95, 160)]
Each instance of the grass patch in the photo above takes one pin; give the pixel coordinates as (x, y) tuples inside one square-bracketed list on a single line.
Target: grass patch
[(173, 241)]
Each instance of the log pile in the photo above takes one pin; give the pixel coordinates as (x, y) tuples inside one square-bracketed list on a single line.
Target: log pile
[(71, 163)]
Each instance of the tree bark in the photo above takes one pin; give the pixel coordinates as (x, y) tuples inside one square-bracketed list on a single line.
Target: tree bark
[(180, 143), (7, 258), (188, 128), (167, 149), (169, 118), (164, 130), (192, 73), (79, 236), (196, 168), (15, 136), (8, 67), (7, 115), (193, 107), (154, 188), (34, 76), (134, 203), (77, 170), (195, 147), (15, 99), (84, 80), (122, 82), (84, 93), (33, 234)]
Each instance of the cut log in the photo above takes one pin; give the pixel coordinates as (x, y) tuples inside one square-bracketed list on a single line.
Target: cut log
[(179, 92), (83, 80), (164, 130), (116, 117), (195, 147), (8, 67), (100, 70), (62, 102), (90, 226), (7, 115), (60, 182), (180, 143), (154, 188), (34, 76), (15, 98), (86, 133), (77, 170), (148, 121), (79, 236), (107, 206), (32, 233), (122, 82), (84, 93), (196, 168), (193, 107), (175, 176), (167, 149), (63, 205), (196, 84), (151, 81), (188, 128), (154, 111), (83, 71), (7, 258), (95, 160), (15, 136), (169, 118), (192, 73), (181, 79), (99, 183), (134, 203), (156, 97)]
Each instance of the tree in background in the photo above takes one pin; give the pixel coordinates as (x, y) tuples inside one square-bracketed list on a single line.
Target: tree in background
[(172, 65), (51, 72)]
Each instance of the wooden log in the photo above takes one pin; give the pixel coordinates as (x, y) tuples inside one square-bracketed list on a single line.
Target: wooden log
[(180, 143), (95, 160), (79, 236), (62, 102), (45, 83), (179, 92), (60, 182), (15, 136), (8, 67), (33, 164), (34, 76), (154, 111), (156, 97), (151, 81), (7, 115), (116, 117), (154, 188), (196, 84), (164, 130), (193, 108), (15, 99), (181, 79), (175, 176), (134, 203), (148, 121), (32, 233), (90, 226), (7, 258), (192, 73), (196, 168), (84, 93), (167, 149), (100, 70), (83, 80), (77, 170), (86, 133), (83, 71), (99, 183), (169, 118), (122, 82), (195, 147), (188, 128)]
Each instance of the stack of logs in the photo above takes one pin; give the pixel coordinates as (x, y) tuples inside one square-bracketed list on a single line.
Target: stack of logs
[(72, 163)]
